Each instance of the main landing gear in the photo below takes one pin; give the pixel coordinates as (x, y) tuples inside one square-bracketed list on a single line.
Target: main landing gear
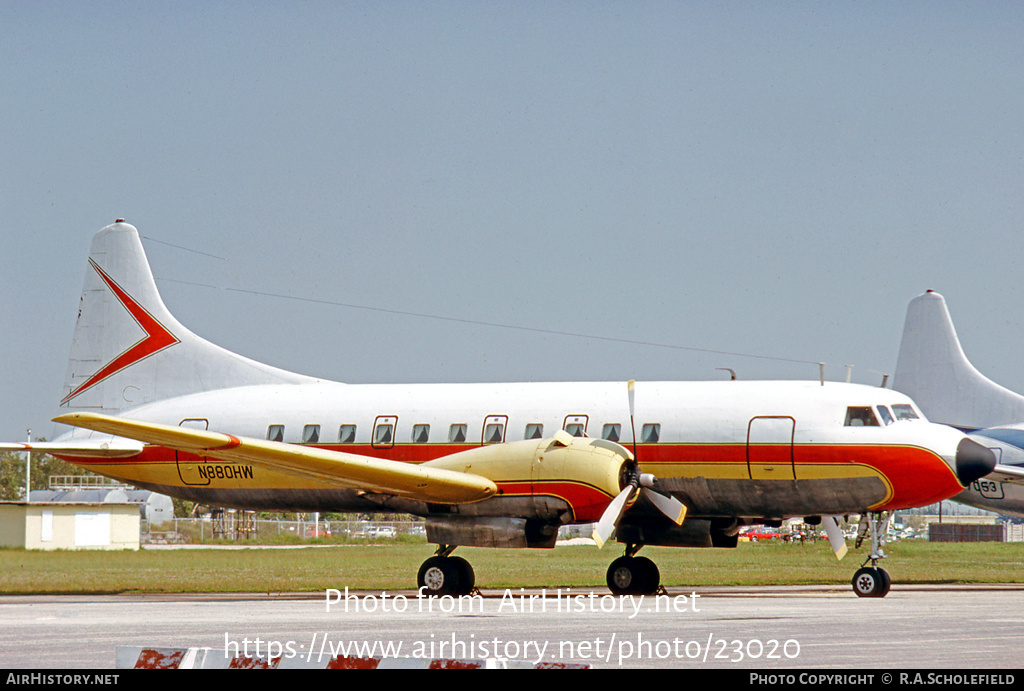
[(443, 574), (633, 575), (872, 581)]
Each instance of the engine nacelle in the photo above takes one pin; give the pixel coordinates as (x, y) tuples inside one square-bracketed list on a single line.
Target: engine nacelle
[(694, 532), (586, 473), (495, 531)]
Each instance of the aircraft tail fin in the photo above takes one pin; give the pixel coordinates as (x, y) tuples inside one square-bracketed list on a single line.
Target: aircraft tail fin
[(129, 350), (934, 371)]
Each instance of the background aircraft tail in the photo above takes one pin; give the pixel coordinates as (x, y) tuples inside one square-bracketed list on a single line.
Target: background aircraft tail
[(129, 350), (932, 369)]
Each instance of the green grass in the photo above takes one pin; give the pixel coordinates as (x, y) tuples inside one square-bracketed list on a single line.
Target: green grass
[(394, 566)]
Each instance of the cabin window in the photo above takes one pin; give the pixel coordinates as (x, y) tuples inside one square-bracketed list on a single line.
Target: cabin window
[(860, 417), (384, 431), (611, 432), (420, 433), (576, 425), (275, 432), (905, 412), (494, 429), (311, 434), (883, 412), (347, 434), (576, 429), (457, 433), (494, 432), (534, 430), (383, 434), (651, 433)]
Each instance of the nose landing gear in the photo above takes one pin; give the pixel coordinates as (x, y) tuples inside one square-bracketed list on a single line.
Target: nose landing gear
[(872, 581)]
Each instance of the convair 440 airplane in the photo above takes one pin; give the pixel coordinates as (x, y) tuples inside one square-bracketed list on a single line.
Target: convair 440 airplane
[(685, 464), (933, 368)]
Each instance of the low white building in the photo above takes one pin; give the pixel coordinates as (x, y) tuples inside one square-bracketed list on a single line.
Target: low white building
[(69, 525)]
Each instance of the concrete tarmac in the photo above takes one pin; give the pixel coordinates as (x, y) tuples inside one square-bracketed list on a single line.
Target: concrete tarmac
[(765, 628)]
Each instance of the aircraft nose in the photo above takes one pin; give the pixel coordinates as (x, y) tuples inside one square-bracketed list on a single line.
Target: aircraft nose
[(973, 461)]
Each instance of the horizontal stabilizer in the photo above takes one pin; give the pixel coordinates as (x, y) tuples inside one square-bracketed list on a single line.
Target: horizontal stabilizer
[(340, 469), (89, 448)]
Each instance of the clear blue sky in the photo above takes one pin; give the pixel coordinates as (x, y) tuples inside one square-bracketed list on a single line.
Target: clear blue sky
[(769, 178)]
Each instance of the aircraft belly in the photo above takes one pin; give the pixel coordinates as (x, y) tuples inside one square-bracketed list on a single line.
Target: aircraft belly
[(775, 498)]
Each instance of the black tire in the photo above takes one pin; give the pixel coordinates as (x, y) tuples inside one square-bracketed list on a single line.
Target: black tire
[(650, 576), (871, 581), (886, 583), (467, 577), (633, 576), (438, 576)]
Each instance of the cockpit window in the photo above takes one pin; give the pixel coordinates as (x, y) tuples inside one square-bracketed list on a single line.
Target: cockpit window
[(904, 411), (860, 417), (886, 416)]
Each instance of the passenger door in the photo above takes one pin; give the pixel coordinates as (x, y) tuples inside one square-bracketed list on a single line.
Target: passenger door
[(770, 447)]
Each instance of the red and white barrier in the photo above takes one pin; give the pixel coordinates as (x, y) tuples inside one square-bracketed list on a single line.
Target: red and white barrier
[(137, 657)]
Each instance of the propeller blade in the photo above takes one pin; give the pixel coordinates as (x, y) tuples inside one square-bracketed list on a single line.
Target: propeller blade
[(632, 407), (605, 527), (835, 536), (670, 506)]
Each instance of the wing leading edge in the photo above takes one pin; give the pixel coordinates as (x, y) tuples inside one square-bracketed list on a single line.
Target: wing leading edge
[(1007, 473), (342, 469)]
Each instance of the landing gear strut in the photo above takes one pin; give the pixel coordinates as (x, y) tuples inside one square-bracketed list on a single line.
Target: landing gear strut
[(872, 581), (633, 575), (443, 574)]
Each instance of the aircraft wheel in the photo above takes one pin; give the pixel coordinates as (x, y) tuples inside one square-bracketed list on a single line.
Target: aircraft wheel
[(622, 576), (650, 576), (633, 576), (438, 576), (871, 581), (467, 577)]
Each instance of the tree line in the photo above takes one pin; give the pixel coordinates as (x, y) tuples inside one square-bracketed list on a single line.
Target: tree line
[(12, 473)]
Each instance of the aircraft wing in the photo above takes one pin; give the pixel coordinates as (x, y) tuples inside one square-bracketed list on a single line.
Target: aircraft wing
[(90, 448), (1013, 474), (341, 469)]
